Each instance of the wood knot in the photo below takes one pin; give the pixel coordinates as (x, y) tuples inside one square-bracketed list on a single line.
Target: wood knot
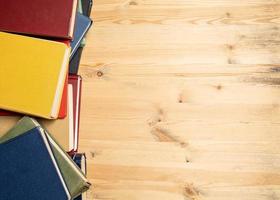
[(182, 98), (99, 73), (133, 3), (274, 69), (92, 154), (230, 47), (191, 192), (99, 65), (219, 87), (160, 117), (184, 144), (228, 14), (230, 61)]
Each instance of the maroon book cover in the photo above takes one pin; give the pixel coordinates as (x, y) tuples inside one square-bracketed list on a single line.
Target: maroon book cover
[(47, 18), (7, 113), (76, 82)]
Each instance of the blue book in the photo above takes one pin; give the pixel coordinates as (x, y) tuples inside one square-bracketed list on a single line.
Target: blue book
[(82, 26), (28, 169), (75, 61), (81, 160), (86, 7)]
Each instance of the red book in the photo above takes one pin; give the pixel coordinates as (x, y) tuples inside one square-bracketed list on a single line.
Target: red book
[(47, 18), (76, 82), (63, 105), (6, 113)]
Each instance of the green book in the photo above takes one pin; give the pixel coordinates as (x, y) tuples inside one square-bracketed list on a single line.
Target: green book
[(74, 178), (80, 7)]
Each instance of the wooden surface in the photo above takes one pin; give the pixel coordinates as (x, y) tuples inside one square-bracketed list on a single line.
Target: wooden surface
[(181, 100)]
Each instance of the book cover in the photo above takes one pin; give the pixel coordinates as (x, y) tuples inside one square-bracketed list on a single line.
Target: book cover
[(79, 7), (75, 180), (81, 160), (86, 7), (63, 105), (61, 129), (76, 82), (74, 177), (75, 61), (32, 74), (45, 18), (28, 166), (82, 26), (6, 113)]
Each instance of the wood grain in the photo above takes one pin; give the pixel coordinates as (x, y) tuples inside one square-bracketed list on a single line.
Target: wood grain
[(181, 100)]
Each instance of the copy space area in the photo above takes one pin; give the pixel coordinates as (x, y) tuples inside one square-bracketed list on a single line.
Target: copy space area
[(181, 100)]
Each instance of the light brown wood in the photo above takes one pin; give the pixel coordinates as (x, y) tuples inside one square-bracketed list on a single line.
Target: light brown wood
[(181, 100)]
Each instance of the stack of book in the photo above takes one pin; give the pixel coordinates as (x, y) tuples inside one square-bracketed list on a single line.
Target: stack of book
[(41, 43)]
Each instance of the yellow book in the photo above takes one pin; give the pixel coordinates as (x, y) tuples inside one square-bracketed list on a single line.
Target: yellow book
[(32, 74), (61, 129)]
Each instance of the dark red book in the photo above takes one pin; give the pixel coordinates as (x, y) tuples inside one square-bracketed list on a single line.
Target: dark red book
[(63, 105), (47, 18), (6, 113), (76, 82)]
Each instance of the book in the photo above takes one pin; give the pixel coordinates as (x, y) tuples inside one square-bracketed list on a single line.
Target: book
[(32, 74), (80, 160), (75, 180), (61, 129), (79, 7), (75, 61), (82, 26), (28, 166), (6, 113), (74, 177), (63, 105), (45, 18), (76, 82), (86, 7)]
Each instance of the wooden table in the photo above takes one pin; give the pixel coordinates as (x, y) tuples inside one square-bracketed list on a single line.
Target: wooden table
[(181, 100)]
